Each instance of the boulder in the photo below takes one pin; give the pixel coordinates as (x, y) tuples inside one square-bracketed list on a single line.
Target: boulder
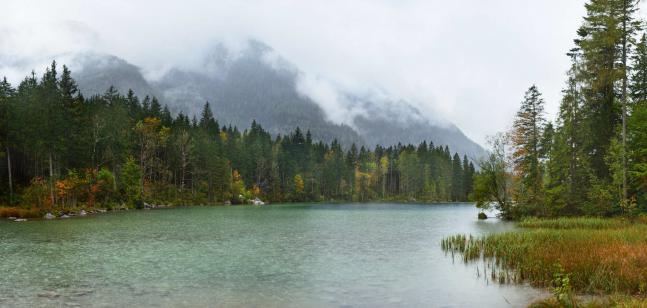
[(83, 213), (12, 218), (20, 220), (49, 216), (482, 216), (65, 216)]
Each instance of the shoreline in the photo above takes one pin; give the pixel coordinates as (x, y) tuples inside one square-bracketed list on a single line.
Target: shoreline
[(19, 214)]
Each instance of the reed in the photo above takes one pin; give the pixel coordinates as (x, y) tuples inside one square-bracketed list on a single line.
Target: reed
[(599, 256)]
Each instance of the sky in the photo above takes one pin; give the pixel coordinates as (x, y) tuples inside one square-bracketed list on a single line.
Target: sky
[(468, 62)]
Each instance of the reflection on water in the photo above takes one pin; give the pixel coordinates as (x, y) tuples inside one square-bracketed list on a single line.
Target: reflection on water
[(359, 255)]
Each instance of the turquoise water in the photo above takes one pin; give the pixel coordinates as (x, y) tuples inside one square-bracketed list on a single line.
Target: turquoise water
[(349, 255)]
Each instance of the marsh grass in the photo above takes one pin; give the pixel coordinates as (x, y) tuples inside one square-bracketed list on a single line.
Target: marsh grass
[(599, 256)]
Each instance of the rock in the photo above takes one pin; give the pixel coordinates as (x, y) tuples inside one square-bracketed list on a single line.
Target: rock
[(83, 213), (65, 216), (12, 218), (258, 202), (227, 202), (482, 216), (49, 216), (20, 220)]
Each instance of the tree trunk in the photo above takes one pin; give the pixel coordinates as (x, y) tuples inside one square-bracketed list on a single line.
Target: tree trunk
[(624, 102), (9, 173), (51, 180)]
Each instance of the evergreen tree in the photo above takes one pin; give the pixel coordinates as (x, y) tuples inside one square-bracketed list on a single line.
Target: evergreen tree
[(457, 179), (526, 138)]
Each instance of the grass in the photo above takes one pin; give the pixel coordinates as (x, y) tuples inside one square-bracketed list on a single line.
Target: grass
[(622, 301), (576, 223), (599, 256)]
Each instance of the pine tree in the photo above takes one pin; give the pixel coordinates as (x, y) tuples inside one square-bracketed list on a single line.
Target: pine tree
[(6, 115), (628, 10), (638, 84), (457, 178), (208, 122), (600, 42), (526, 137)]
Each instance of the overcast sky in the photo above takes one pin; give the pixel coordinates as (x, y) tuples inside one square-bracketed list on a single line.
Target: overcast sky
[(467, 61)]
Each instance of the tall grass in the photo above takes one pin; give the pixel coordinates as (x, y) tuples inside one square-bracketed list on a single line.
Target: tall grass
[(575, 223), (600, 256)]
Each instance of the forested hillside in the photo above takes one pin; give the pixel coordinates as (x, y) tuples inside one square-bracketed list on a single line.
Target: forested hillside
[(61, 149), (592, 160), (257, 84)]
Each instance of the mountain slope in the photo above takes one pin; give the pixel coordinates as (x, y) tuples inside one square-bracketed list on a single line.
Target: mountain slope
[(250, 86)]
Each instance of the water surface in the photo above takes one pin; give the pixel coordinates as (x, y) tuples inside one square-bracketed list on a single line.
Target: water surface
[(347, 255)]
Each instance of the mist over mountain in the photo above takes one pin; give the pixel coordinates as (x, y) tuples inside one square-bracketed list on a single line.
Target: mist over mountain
[(256, 84)]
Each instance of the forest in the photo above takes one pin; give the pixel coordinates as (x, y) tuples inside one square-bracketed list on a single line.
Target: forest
[(592, 160), (63, 150)]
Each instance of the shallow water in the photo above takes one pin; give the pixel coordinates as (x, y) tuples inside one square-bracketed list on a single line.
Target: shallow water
[(347, 255)]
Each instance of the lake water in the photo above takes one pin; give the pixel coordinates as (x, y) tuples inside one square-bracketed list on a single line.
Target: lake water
[(348, 255)]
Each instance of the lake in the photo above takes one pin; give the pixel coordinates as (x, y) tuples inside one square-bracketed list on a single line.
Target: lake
[(310, 255)]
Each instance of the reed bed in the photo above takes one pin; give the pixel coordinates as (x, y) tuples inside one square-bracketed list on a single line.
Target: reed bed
[(599, 256)]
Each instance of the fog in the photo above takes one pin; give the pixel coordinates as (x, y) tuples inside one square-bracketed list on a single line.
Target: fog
[(467, 62)]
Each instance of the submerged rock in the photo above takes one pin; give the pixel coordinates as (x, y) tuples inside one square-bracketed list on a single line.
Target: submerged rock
[(49, 216)]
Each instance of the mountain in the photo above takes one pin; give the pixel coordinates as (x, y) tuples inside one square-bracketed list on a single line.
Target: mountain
[(98, 72), (255, 84)]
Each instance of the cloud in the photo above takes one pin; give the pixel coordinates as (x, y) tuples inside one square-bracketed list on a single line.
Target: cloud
[(468, 62)]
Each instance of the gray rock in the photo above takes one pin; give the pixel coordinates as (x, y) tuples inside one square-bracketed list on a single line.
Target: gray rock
[(49, 216), (20, 220)]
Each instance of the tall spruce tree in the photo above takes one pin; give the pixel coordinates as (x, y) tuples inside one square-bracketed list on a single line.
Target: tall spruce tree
[(600, 40), (526, 138)]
